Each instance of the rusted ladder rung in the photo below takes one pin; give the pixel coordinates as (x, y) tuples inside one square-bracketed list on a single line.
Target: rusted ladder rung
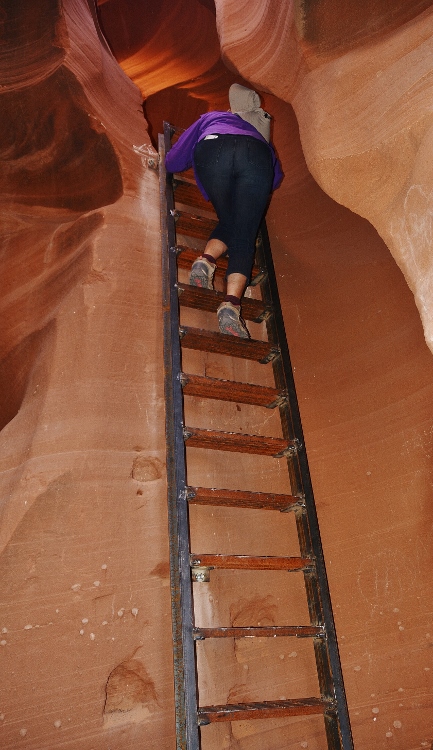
[(232, 346), (242, 499), (249, 562), (187, 255), (231, 390), (238, 442), (207, 299), (282, 631), (265, 710)]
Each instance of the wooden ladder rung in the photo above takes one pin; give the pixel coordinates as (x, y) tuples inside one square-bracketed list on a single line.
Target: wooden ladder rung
[(192, 225), (187, 255), (238, 442), (241, 499), (249, 562), (231, 390), (232, 346), (282, 631), (265, 710), (207, 299)]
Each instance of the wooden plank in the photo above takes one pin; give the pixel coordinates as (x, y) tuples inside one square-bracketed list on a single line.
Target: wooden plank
[(241, 499), (232, 346), (249, 562), (189, 194), (231, 390), (192, 225), (237, 442), (265, 710), (277, 631), (209, 300)]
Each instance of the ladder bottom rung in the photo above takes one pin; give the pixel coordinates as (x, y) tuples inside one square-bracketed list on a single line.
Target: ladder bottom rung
[(282, 631), (265, 710)]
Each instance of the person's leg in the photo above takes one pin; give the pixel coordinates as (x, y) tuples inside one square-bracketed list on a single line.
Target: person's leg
[(212, 161), (252, 186)]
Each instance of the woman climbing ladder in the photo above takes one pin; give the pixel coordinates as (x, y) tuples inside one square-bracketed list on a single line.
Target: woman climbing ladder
[(236, 169)]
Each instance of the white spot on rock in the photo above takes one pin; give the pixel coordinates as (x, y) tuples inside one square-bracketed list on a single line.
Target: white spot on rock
[(76, 586), (4, 630), (84, 620), (397, 724), (104, 566), (23, 732), (28, 627), (96, 583), (92, 636), (81, 632), (357, 668), (375, 710), (293, 654), (120, 612), (57, 723), (104, 622), (388, 734), (3, 643), (134, 611)]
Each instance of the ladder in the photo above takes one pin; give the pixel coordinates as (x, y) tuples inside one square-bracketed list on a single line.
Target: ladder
[(185, 214)]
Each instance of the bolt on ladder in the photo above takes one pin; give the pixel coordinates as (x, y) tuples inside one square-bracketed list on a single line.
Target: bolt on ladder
[(184, 213)]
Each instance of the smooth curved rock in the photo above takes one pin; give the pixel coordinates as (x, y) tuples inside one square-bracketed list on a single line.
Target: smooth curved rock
[(364, 116), (80, 401)]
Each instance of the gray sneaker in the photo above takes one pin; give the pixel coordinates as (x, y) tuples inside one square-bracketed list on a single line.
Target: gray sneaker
[(202, 273), (230, 321)]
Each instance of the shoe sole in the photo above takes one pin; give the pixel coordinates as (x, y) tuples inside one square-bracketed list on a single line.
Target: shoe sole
[(201, 281)]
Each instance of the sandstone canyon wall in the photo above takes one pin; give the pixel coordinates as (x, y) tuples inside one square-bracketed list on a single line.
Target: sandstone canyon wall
[(86, 639), (85, 609)]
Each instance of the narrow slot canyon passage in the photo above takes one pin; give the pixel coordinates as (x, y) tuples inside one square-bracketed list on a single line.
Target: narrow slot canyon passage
[(86, 645)]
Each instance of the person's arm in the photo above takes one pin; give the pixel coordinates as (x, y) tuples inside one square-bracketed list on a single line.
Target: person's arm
[(180, 155)]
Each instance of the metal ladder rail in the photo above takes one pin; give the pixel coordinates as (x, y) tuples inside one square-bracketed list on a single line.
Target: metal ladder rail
[(185, 689), (317, 589), (337, 723)]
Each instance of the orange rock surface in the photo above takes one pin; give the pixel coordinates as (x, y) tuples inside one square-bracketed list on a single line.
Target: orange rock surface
[(85, 609)]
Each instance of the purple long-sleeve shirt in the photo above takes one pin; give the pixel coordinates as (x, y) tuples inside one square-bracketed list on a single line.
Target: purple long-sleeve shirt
[(180, 156)]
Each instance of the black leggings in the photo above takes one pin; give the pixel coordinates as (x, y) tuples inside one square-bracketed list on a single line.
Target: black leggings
[(237, 173)]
